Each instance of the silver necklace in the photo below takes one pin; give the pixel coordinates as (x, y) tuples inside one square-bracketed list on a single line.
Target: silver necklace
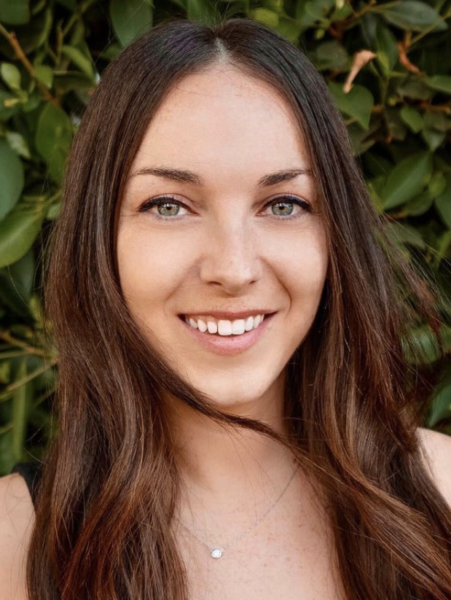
[(218, 551)]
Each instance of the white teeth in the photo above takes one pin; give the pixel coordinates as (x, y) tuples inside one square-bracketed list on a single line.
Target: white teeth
[(212, 327), (224, 327), (238, 326), (192, 322), (202, 325)]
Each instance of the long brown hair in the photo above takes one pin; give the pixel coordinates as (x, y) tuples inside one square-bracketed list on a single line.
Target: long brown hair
[(353, 400)]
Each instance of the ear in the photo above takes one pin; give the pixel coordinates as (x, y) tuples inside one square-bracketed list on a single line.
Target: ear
[(436, 449)]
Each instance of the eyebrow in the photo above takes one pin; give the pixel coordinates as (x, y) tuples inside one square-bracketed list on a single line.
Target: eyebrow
[(185, 176)]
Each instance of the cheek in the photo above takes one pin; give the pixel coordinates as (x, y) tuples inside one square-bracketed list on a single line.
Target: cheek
[(304, 267), (148, 270)]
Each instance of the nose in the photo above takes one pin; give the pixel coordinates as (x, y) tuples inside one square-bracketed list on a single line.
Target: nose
[(231, 258)]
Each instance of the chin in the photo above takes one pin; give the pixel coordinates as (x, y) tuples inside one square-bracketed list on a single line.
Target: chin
[(233, 393)]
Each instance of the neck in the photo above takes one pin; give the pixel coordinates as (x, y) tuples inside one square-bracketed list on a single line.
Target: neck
[(220, 464)]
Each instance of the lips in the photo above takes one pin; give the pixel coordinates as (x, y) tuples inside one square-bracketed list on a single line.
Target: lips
[(231, 344)]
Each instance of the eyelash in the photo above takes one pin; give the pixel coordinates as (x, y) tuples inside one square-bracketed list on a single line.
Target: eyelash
[(286, 198)]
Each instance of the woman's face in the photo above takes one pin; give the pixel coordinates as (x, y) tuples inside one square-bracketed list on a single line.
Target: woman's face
[(223, 241)]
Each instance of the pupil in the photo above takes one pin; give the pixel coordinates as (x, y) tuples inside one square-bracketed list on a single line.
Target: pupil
[(164, 206), (283, 204)]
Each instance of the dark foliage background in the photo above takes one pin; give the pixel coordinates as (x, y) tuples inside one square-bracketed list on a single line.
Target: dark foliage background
[(387, 64)]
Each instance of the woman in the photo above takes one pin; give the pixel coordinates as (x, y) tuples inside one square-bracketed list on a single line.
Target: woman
[(236, 414)]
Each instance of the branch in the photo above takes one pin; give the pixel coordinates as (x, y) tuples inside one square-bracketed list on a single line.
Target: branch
[(14, 42), (7, 337)]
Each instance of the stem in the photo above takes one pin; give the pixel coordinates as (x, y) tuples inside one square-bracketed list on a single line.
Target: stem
[(7, 337), (438, 108), (44, 396), (6, 428), (14, 42), (5, 355), (77, 15), (20, 382), (428, 29), (364, 10), (371, 7)]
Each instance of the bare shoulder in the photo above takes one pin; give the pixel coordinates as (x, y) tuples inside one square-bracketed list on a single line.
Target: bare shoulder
[(436, 449), (16, 523)]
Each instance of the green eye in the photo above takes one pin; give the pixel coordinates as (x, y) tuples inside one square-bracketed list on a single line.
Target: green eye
[(170, 207), (167, 203), (286, 201)]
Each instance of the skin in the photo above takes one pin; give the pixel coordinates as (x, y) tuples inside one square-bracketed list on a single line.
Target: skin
[(226, 248), (227, 251)]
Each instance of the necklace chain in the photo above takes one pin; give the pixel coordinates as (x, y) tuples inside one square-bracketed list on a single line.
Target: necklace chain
[(218, 551)]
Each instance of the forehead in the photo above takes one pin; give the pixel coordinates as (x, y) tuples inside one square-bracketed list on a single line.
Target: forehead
[(223, 118)]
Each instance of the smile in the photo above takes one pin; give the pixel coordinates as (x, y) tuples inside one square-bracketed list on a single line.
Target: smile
[(223, 327), (227, 337)]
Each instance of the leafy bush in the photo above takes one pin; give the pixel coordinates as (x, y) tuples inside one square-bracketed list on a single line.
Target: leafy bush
[(387, 65)]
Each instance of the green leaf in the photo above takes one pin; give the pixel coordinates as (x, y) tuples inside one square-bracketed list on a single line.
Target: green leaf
[(32, 102), (10, 298), (202, 10), (435, 120), (407, 179), (19, 411), (357, 103), (8, 105), (52, 139), (318, 10), (412, 118), (14, 12), (130, 19), (395, 124), (386, 49), (437, 184), (16, 283), (402, 234), (266, 16), (443, 202), (434, 131), (421, 346), (415, 88), (419, 204), (53, 211), (377, 165), (412, 15), (32, 35), (72, 80), (44, 74), (290, 29), (361, 139), (330, 55), (433, 138), (22, 274), (18, 231), (79, 59), (5, 372), (11, 177), (10, 75), (441, 405), (440, 83), (18, 144), (341, 12)]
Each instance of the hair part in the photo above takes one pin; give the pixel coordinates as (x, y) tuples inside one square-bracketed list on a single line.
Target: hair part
[(352, 401)]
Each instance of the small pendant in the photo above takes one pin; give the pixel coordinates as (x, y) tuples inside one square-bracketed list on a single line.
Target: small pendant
[(217, 553)]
